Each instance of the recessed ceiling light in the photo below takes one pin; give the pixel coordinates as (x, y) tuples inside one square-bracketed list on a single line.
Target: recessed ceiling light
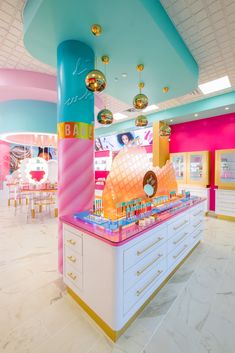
[(150, 108), (195, 115), (124, 74), (215, 85), (171, 120), (226, 108), (119, 116)]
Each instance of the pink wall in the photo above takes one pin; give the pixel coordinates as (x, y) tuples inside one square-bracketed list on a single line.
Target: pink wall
[(4, 161), (205, 135)]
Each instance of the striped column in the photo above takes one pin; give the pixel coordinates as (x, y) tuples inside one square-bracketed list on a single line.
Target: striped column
[(75, 132)]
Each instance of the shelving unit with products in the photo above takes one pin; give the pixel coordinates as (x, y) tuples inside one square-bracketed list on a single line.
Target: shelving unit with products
[(193, 173), (179, 161), (225, 181)]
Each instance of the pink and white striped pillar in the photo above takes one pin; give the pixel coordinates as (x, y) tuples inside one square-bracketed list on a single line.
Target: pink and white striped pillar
[(75, 132)]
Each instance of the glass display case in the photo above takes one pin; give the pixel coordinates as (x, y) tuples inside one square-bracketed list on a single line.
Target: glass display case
[(198, 168), (225, 168), (179, 163)]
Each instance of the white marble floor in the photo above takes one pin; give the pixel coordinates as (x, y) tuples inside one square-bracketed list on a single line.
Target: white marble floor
[(193, 313)]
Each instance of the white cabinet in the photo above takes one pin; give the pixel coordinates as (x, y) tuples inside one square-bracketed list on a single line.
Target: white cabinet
[(115, 281), (225, 202)]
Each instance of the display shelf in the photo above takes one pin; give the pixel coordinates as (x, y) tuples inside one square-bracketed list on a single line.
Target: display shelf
[(102, 166), (198, 168), (127, 270), (225, 169), (179, 161), (199, 191), (191, 167)]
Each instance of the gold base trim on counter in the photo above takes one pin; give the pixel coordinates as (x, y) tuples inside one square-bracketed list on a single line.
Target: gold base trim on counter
[(226, 218), (114, 335)]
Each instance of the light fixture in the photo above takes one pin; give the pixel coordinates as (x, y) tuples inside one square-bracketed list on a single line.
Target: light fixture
[(195, 115), (119, 116), (215, 85), (96, 30), (124, 74), (165, 130), (140, 101), (141, 121), (105, 116), (150, 108), (226, 108), (171, 120)]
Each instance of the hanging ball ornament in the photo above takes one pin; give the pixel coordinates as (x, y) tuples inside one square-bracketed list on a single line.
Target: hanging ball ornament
[(140, 101), (95, 81), (165, 89), (96, 30), (140, 67), (141, 121), (105, 117), (105, 59), (165, 131)]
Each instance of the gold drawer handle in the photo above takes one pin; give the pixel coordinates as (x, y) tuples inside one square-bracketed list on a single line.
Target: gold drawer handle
[(71, 241), (71, 258), (195, 236), (197, 214), (181, 238), (140, 291), (180, 225), (140, 252), (180, 252), (71, 275), (197, 224), (150, 264)]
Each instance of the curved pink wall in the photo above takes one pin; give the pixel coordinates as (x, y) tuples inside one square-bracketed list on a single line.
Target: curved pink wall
[(205, 135), (22, 84)]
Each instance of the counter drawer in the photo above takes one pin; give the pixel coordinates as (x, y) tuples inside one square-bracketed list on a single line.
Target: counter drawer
[(72, 276), (142, 268), (73, 241), (196, 236), (179, 252), (142, 288), (197, 223), (138, 251), (73, 259), (178, 238), (196, 213), (179, 225)]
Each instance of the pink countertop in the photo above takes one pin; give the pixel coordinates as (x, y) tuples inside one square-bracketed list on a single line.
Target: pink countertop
[(123, 236)]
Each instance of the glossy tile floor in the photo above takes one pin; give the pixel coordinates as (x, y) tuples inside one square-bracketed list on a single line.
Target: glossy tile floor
[(193, 313)]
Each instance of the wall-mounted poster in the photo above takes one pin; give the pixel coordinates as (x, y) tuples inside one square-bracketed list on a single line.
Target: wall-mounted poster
[(19, 152), (141, 137)]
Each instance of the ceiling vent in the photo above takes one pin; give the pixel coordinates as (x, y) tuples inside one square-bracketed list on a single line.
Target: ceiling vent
[(196, 92), (131, 110)]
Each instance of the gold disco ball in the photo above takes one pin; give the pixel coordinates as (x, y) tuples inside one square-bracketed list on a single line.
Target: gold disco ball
[(141, 121), (140, 101), (105, 117), (95, 81), (165, 131), (96, 30)]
